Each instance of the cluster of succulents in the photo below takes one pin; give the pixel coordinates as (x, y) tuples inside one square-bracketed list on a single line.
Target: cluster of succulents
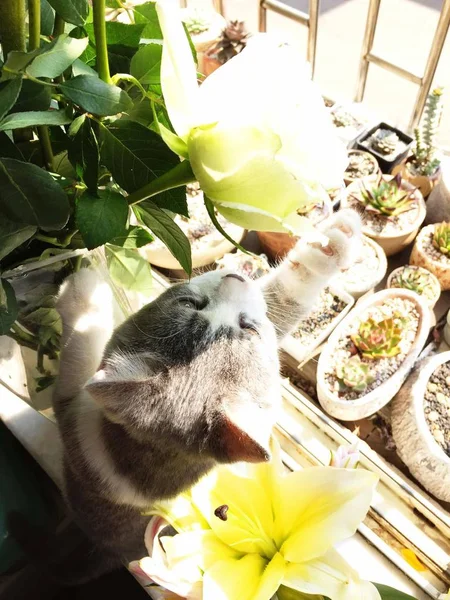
[(441, 238), (424, 160), (387, 198), (384, 141), (412, 278), (232, 41), (354, 374), (379, 339), (197, 22)]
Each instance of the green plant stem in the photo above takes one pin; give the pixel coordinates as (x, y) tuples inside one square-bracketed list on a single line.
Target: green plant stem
[(180, 175), (12, 26), (22, 337), (46, 147), (100, 40), (59, 26), (34, 16)]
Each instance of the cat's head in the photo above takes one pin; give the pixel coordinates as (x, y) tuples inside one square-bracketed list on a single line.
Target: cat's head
[(197, 368)]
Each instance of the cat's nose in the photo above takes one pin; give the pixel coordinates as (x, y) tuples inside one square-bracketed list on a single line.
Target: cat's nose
[(235, 276)]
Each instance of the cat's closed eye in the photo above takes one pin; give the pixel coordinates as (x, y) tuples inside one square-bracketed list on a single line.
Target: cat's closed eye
[(193, 303)]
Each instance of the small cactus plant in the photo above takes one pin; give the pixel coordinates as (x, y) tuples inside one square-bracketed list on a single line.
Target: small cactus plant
[(441, 237), (379, 339), (354, 374), (424, 161), (384, 141), (387, 198)]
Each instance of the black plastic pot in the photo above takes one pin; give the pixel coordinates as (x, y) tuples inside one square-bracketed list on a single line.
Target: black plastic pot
[(386, 166)]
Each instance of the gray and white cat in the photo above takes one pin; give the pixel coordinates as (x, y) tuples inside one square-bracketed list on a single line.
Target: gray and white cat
[(190, 381)]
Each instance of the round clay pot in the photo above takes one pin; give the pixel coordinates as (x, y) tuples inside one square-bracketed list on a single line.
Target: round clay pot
[(276, 245), (438, 203), (421, 259), (376, 169), (423, 182), (358, 288), (434, 282), (369, 404), (415, 443), (391, 244)]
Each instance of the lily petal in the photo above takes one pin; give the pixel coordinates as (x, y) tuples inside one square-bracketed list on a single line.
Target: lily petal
[(178, 70), (332, 504), (271, 578), (181, 513), (234, 579)]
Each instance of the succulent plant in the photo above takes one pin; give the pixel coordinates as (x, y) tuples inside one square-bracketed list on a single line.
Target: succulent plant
[(384, 141), (196, 22), (424, 161), (354, 374), (387, 198), (441, 237), (412, 278), (232, 41), (379, 339)]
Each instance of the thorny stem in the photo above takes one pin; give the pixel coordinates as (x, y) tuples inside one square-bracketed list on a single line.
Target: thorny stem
[(100, 40)]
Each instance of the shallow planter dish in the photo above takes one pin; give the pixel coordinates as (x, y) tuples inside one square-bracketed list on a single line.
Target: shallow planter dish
[(276, 245), (421, 258), (349, 178), (370, 403), (416, 445), (386, 165), (301, 351), (425, 183), (434, 287), (391, 243), (352, 280)]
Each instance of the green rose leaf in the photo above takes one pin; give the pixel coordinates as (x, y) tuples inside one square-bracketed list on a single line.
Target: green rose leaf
[(388, 593), (72, 11), (29, 195), (84, 153), (135, 237), (8, 149), (45, 317), (17, 61), (128, 269), (34, 117), (8, 306), (101, 219), (47, 18), (57, 56), (13, 235), (167, 231), (9, 92), (146, 64), (80, 68), (146, 13), (33, 96), (119, 34), (96, 96)]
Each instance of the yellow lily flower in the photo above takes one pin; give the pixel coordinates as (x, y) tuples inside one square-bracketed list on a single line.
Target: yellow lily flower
[(245, 531), (256, 132)]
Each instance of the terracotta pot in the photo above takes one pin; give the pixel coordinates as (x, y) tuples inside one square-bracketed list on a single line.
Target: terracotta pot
[(433, 282), (420, 258), (370, 403), (391, 244), (415, 443), (376, 169), (276, 245), (210, 64), (438, 203), (423, 182), (356, 287)]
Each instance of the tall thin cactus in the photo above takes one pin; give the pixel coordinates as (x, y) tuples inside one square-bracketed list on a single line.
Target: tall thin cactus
[(424, 160)]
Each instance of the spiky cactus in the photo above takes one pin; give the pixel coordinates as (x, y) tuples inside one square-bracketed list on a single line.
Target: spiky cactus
[(353, 374), (232, 41), (384, 141), (379, 339), (424, 161), (386, 198), (441, 237)]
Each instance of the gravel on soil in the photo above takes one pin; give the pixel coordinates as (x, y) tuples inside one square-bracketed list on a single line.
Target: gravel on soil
[(437, 406), (327, 309), (379, 224), (432, 252)]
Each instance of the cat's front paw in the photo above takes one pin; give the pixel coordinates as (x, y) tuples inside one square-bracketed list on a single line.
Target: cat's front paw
[(84, 293), (343, 231)]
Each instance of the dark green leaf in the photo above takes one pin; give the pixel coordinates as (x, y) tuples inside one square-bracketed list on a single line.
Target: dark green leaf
[(12, 235), (34, 117), (101, 219), (134, 154), (84, 152), (80, 68), (72, 11), (173, 200), (119, 34), (135, 237), (146, 13), (9, 92), (388, 593), (128, 269), (47, 18), (96, 96), (8, 306), (57, 56), (167, 231), (212, 215), (33, 96), (8, 149), (146, 64), (17, 61), (29, 195)]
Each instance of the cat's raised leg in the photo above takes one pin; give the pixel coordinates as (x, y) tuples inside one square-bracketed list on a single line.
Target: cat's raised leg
[(86, 308), (294, 287)]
